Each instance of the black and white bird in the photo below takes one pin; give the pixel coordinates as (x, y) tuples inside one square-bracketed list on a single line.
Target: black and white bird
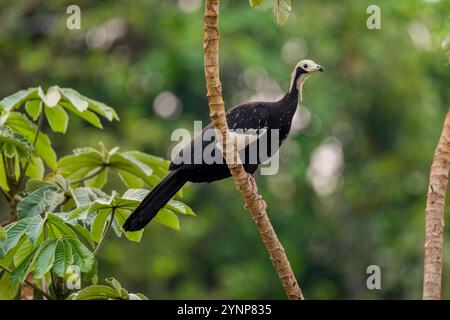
[(254, 119)]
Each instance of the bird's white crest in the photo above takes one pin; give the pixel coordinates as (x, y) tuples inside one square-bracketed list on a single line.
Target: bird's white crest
[(310, 67)]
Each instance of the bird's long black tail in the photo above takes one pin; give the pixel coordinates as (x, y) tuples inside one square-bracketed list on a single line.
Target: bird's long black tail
[(155, 200)]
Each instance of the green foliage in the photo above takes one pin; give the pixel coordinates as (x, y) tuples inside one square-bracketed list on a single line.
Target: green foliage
[(54, 102), (61, 225), (91, 166), (8, 289), (20, 124), (101, 292), (255, 3), (281, 9), (384, 108), (3, 235)]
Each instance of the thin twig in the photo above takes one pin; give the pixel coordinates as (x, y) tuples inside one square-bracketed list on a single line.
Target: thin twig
[(6, 222), (8, 198), (434, 216), (29, 283), (244, 181), (6, 194), (89, 176), (43, 282)]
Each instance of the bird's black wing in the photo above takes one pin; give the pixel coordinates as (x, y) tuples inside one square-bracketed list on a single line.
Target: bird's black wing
[(248, 119)]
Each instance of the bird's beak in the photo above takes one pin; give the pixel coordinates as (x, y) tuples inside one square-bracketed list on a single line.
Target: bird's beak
[(317, 67)]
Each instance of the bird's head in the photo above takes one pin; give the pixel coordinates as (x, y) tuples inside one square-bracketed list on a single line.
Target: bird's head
[(301, 72)]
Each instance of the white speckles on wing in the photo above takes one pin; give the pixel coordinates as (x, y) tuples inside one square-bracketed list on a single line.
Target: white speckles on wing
[(242, 138)]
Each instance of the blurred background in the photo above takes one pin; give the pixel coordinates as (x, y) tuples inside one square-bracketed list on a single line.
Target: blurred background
[(353, 175)]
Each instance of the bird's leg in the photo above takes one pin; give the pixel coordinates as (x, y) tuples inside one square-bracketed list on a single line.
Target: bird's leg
[(254, 194)]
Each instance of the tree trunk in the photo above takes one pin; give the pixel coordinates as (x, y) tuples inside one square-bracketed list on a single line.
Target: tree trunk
[(244, 182), (434, 216), (27, 291)]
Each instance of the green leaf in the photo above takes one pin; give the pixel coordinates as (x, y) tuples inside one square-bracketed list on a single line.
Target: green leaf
[(79, 213), (168, 218), (14, 233), (7, 259), (34, 228), (130, 164), (44, 258), (23, 251), (57, 118), (74, 98), (99, 180), (173, 205), (8, 289), (44, 199), (20, 124), (15, 100), (97, 292), (63, 258), (58, 228), (9, 151), (98, 225), (33, 108), (81, 196), (85, 115), (3, 235), (179, 207), (52, 97), (10, 141), (35, 168), (20, 273), (33, 184), (82, 159), (114, 202), (121, 216), (130, 180), (85, 196), (115, 284), (135, 194), (159, 166), (151, 161), (84, 233), (83, 257), (136, 296), (103, 110), (282, 9), (255, 3), (3, 176), (117, 228), (82, 103)]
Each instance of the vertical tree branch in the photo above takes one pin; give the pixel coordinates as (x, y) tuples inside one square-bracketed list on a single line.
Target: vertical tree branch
[(27, 288), (434, 216), (244, 182)]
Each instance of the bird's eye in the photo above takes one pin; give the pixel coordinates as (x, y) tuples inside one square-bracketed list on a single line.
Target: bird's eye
[(305, 66)]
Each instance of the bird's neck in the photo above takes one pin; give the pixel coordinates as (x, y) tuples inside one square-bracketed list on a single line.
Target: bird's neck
[(290, 99)]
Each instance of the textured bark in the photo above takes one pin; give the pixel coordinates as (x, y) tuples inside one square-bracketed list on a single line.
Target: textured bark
[(434, 216), (26, 290), (244, 182)]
